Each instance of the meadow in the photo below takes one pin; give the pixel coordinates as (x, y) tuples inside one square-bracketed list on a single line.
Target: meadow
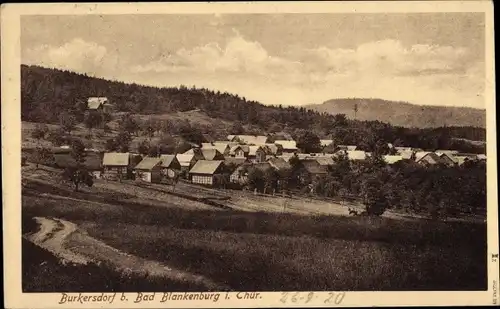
[(260, 250)]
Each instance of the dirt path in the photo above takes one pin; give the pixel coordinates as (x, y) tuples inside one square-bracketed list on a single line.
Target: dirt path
[(70, 244), (52, 235)]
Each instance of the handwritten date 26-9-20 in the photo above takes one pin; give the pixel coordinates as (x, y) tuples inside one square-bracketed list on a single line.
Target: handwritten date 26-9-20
[(333, 298)]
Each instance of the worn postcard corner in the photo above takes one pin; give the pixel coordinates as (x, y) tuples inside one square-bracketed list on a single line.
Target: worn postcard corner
[(230, 155)]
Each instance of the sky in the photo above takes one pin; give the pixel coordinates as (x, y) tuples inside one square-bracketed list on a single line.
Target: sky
[(289, 59)]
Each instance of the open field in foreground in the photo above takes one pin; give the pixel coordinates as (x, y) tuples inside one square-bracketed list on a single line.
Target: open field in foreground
[(240, 249)]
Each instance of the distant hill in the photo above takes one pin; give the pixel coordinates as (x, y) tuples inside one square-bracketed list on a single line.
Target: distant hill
[(404, 114)]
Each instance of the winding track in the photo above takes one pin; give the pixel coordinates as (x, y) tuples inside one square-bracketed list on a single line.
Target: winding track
[(70, 244)]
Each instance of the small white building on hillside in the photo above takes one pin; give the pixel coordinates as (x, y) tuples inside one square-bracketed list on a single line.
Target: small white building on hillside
[(99, 104)]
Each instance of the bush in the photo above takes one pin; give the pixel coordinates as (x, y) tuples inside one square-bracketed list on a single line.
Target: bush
[(57, 137), (40, 132), (373, 195), (42, 156)]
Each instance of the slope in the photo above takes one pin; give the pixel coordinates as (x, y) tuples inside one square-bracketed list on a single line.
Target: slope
[(404, 114)]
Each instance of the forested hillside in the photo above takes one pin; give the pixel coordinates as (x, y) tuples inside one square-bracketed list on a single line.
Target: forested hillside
[(48, 93), (403, 113)]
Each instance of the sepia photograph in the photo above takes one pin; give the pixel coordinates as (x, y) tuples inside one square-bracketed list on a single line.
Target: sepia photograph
[(250, 152)]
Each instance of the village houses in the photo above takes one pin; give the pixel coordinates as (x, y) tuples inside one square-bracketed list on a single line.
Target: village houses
[(243, 153)]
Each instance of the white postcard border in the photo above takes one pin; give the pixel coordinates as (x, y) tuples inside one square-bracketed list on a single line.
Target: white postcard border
[(11, 141)]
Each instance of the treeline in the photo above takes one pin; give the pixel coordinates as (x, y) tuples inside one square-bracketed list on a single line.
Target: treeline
[(436, 191), (47, 93)]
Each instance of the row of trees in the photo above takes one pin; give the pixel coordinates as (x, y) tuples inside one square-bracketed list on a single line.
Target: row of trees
[(48, 93), (436, 191)]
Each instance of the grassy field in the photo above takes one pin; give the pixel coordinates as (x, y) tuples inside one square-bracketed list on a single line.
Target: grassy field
[(42, 272), (193, 116), (96, 140), (98, 137), (262, 250)]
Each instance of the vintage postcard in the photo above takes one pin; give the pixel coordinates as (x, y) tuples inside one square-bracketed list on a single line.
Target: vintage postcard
[(230, 155)]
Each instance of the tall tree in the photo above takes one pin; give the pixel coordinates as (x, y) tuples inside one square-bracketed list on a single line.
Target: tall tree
[(122, 141), (255, 179), (78, 174), (373, 195), (143, 147), (340, 121), (128, 124), (308, 142), (237, 128), (78, 152), (39, 132), (67, 121), (111, 145), (92, 120), (271, 178)]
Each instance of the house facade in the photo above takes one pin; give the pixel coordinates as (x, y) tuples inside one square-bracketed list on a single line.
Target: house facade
[(447, 158), (427, 158), (279, 164), (347, 147), (287, 146), (326, 142), (481, 157), (249, 139), (235, 161), (204, 171), (149, 170), (274, 149), (117, 165), (239, 151), (257, 154), (170, 166), (223, 148), (392, 159), (313, 168), (240, 174), (186, 161), (211, 154)]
